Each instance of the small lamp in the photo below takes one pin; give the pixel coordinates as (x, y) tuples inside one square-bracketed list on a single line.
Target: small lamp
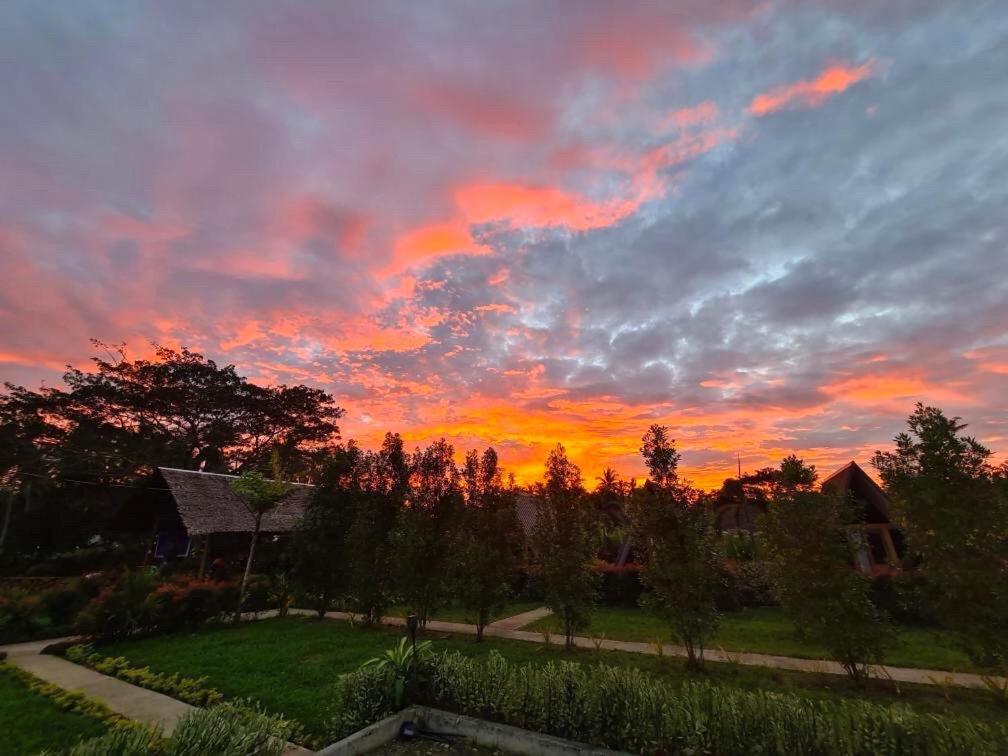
[(412, 623)]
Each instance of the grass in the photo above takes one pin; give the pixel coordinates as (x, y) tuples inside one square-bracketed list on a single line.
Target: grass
[(291, 666), (766, 630), (30, 722)]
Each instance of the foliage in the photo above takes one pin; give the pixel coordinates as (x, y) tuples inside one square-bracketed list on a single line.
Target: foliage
[(810, 547), (566, 537), (402, 660), (363, 697), (319, 545), (426, 535), (138, 603), (194, 691), (681, 574), (489, 539), (953, 508), (619, 586), (228, 729), (122, 739), (629, 710), (376, 491), (119, 610), (113, 425), (260, 495)]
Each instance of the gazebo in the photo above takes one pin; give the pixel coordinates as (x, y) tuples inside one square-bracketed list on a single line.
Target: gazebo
[(204, 506)]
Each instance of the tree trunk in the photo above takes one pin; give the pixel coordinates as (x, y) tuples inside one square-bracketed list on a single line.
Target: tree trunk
[(204, 557), (248, 567), (7, 519)]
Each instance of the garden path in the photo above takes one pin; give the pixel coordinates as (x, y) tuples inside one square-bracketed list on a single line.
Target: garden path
[(505, 628), (139, 704)]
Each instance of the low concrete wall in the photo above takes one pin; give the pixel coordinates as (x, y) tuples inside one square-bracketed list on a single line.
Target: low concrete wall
[(488, 734)]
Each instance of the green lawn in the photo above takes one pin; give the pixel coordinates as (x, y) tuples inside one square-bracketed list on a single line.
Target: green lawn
[(30, 722), (458, 614), (291, 665), (765, 630)]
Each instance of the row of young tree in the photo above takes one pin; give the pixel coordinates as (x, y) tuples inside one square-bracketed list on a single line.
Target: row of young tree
[(388, 525)]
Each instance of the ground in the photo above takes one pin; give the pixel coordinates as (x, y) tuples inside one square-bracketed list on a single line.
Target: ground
[(766, 630), (30, 722), (291, 665), (458, 614)]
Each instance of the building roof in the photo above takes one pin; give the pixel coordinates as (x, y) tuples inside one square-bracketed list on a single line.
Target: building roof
[(852, 478), (206, 504), (527, 509)]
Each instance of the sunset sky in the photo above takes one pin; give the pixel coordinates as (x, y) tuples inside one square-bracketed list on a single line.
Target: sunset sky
[(769, 226)]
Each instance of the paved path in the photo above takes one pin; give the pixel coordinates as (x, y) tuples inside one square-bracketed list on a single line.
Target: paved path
[(508, 628), (139, 704), (131, 701), (520, 620)]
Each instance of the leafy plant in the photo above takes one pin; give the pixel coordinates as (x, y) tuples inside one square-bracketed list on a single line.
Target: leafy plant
[(401, 662)]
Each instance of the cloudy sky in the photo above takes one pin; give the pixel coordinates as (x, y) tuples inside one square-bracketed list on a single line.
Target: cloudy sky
[(773, 226)]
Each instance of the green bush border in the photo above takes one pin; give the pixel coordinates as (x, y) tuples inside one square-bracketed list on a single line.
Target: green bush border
[(193, 691)]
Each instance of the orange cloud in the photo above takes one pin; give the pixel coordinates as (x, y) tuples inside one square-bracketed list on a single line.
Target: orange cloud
[(812, 93), (431, 241), (539, 206)]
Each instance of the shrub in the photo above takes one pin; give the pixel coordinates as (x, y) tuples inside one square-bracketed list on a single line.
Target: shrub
[(811, 550), (194, 691), (118, 610), (22, 615), (619, 586), (904, 597), (63, 604), (744, 584), (230, 729), (629, 710), (122, 739), (362, 697)]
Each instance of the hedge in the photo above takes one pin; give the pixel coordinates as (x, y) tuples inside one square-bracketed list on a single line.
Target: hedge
[(626, 709)]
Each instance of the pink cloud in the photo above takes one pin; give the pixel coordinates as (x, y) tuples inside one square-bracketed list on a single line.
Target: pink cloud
[(814, 92)]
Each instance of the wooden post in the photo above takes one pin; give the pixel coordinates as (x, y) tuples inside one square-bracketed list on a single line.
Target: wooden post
[(203, 557)]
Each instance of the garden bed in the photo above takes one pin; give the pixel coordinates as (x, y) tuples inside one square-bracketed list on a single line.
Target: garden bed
[(292, 667), (765, 630)]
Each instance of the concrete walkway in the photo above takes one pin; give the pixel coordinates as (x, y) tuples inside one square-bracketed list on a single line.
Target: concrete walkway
[(509, 628), (139, 704), (520, 620)]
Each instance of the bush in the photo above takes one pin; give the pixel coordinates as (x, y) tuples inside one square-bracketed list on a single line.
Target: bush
[(137, 603), (904, 598), (619, 586), (627, 709), (230, 729), (194, 691), (745, 584), (63, 604), (22, 616)]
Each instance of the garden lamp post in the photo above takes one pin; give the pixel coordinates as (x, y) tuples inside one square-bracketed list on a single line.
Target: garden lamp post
[(412, 623)]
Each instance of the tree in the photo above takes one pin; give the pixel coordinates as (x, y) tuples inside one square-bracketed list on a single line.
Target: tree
[(682, 556), (319, 546), (377, 496), (260, 495), (660, 455), (953, 507), (490, 539), (426, 534), (810, 547), (566, 538), (113, 425)]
